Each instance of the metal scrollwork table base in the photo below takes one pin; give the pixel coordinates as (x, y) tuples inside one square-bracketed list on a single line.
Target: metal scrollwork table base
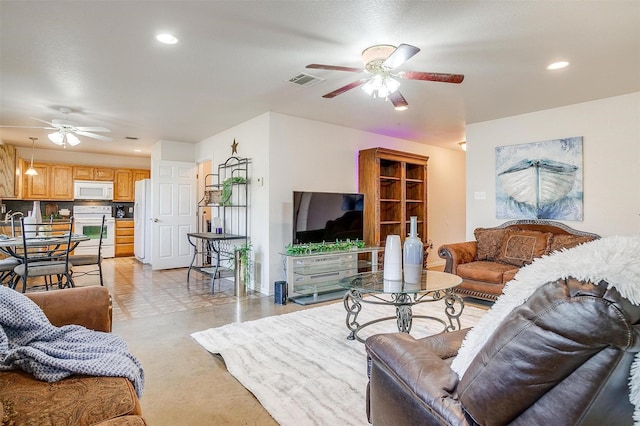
[(372, 288)]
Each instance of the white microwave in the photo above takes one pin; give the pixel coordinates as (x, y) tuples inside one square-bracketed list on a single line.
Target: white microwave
[(92, 190)]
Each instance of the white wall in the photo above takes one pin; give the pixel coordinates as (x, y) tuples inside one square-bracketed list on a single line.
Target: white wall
[(297, 154), (252, 138), (611, 157), (173, 151)]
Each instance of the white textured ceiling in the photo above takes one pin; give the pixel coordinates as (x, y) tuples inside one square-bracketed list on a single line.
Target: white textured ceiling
[(234, 58)]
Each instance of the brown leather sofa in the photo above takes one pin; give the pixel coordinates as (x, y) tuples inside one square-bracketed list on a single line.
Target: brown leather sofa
[(76, 400), (493, 259), (579, 340)]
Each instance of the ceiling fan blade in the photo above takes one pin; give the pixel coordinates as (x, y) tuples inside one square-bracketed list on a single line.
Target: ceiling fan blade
[(93, 129), (431, 76), (42, 121), (398, 101), (28, 127), (334, 68), (345, 88), (93, 135), (400, 56)]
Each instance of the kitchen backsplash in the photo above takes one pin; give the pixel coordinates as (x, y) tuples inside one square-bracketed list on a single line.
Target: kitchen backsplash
[(48, 207)]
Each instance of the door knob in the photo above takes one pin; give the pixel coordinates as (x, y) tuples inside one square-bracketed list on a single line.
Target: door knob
[(154, 219)]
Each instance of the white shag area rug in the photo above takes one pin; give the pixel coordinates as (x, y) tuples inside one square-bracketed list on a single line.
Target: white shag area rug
[(302, 368), (613, 259)]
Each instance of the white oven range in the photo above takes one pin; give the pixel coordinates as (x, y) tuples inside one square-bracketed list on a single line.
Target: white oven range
[(87, 221)]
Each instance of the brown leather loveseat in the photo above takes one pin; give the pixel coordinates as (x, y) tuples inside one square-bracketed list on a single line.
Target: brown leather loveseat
[(76, 400), (488, 263), (562, 358)]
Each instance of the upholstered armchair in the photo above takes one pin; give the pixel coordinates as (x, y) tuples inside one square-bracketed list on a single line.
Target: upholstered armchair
[(564, 356), (78, 399)]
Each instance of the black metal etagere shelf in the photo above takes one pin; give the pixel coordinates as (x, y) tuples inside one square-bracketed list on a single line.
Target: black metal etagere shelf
[(226, 193)]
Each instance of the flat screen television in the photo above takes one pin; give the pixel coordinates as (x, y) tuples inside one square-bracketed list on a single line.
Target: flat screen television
[(327, 216)]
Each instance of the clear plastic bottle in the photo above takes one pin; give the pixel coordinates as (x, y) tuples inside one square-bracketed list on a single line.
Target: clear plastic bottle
[(413, 254)]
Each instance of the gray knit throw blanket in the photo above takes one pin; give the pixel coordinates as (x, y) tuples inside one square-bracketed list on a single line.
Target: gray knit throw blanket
[(29, 342)]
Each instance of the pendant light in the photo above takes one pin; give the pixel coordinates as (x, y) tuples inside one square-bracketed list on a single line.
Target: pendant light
[(31, 171)]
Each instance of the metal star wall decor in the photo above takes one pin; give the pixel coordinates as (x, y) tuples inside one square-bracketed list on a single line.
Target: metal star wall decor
[(234, 147)]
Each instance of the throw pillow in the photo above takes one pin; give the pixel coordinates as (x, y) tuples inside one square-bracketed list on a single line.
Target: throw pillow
[(489, 243), (521, 247), (560, 241)]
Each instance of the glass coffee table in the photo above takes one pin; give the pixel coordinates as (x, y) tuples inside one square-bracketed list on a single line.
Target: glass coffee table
[(372, 288)]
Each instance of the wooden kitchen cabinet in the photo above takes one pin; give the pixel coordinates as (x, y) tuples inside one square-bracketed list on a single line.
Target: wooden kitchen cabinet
[(394, 185), (37, 187), (53, 182), (93, 173), (101, 173), (124, 238), (141, 174), (7, 171), (82, 173), (61, 182), (123, 185)]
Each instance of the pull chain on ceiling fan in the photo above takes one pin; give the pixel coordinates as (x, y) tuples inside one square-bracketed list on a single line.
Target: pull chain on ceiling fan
[(380, 61)]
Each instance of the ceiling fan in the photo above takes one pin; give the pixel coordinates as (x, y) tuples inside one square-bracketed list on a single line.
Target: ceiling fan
[(380, 61), (66, 131)]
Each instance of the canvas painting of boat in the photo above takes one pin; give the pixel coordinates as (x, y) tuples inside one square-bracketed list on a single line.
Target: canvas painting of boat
[(540, 180)]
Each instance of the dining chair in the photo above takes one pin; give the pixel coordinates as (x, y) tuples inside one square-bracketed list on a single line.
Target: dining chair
[(7, 265), (90, 259), (6, 269), (45, 254)]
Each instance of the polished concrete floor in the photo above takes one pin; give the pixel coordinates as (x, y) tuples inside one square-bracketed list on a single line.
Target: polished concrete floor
[(155, 312)]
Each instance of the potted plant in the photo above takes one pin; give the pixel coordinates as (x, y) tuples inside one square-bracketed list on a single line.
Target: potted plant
[(227, 185), (242, 267)]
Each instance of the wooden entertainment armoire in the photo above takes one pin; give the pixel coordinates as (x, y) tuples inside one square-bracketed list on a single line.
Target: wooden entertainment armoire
[(394, 184)]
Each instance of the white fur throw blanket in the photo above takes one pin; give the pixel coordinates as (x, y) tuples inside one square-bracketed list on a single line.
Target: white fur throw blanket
[(613, 259), (29, 342)]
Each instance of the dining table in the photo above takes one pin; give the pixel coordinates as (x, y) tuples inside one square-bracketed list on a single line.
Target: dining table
[(10, 245)]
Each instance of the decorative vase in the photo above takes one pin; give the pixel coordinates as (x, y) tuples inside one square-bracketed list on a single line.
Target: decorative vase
[(413, 254), (36, 212), (239, 277), (392, 286), (392, 258)]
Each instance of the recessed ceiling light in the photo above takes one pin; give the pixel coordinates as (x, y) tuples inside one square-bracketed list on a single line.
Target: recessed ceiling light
[(166, 39), (558, 65), (137, 150)]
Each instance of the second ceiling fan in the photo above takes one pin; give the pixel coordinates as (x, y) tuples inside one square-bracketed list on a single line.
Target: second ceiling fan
[(380, 61)]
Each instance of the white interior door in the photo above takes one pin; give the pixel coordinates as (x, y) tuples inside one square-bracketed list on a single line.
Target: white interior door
[(173, 213)]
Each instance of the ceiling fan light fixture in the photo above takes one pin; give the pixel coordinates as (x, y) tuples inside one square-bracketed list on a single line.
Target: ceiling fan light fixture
[(391, 84), (381, 86), (72, 139), (376, 55), (56, 137)]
